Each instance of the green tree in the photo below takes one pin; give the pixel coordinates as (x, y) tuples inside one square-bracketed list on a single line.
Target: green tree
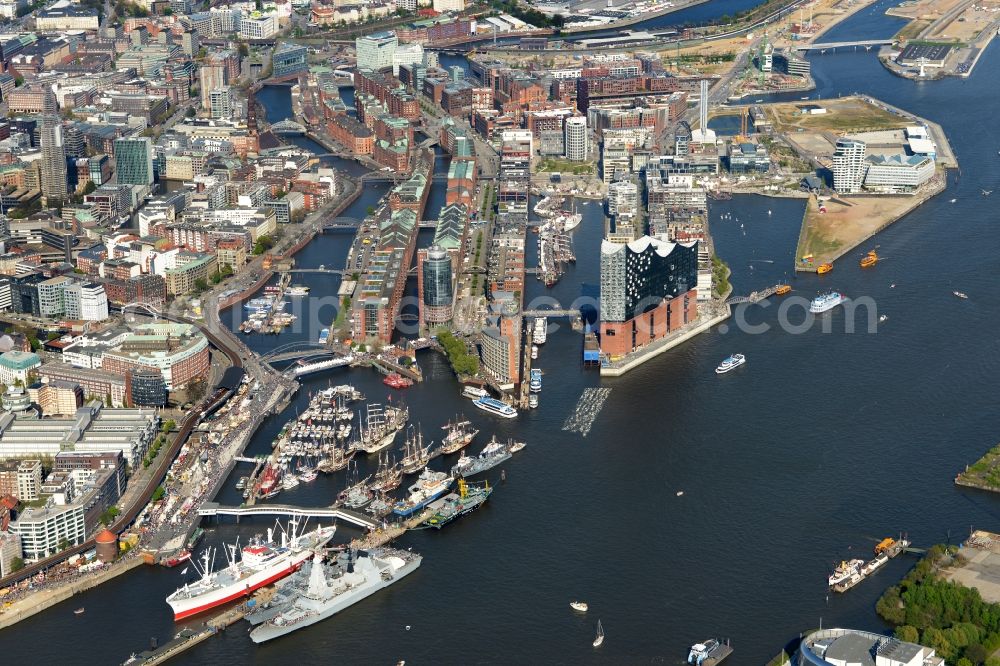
[(190, 113), (16, 564), (263, 244), (107, 399), (169, 425), (63, 544), (216, 277), (908, 634), (158, 494), (200, 284), (976, 653), (52, 335)]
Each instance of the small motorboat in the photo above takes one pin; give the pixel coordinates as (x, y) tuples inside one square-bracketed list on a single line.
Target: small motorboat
[(79, 611), (599, 639), (514, 447), (579, 606), (952, 200), (960, 294), (883, 318), (680, 493)]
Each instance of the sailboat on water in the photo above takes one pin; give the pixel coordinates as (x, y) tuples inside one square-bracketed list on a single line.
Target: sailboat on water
[(599, 639)]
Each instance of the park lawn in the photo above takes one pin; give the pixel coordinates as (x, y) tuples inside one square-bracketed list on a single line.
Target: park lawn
[(552, 165)]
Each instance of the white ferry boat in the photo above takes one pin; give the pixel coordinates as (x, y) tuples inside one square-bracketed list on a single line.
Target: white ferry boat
[(494, 406), (539, 334), (535, 382), (297, 291), (825, 302), (730, 363), (475, 392)]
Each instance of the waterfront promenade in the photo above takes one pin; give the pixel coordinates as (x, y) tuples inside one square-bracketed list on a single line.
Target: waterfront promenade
[(45, 596)]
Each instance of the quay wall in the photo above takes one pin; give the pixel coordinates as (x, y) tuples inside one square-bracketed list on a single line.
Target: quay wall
[(39, 601), (936, 188), (241, 296), (642, 356)]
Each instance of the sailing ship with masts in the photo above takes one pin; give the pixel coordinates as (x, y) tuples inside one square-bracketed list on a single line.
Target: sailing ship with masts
[(416, 455), (460, 434)]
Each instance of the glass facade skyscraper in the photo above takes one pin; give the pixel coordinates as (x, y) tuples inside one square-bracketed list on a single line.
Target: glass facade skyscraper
[(438, 295), (134, 160)]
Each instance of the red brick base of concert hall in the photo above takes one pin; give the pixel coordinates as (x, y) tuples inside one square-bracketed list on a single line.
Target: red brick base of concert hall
[(619, 338)]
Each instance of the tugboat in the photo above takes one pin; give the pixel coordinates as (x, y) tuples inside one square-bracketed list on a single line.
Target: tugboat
[(453, 505), (397, 381), (730, 363), (459, 436)]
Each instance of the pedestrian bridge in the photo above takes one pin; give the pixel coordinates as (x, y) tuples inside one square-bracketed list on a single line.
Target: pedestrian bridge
[(288, 127), (551, 313), (755, 297), (332, 271), (822, 46), (209, 509), (296, 350)]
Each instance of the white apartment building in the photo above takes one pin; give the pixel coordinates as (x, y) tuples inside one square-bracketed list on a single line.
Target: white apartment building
[(43, 530), (849, 165), (259, 27), (576, 138)]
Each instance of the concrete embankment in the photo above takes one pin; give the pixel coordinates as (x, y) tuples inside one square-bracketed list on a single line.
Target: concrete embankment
[(36, 602)]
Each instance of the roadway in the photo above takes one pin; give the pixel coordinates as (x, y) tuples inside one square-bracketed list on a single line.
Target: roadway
[(665, 42)]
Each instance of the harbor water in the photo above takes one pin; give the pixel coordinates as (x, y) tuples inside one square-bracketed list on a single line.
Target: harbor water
[(812, 452)]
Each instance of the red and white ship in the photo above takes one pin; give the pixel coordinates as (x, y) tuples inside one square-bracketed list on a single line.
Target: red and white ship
[(397, 381), (258, 564)]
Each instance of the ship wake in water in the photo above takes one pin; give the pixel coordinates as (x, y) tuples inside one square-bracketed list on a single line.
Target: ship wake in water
[(587, 409)]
